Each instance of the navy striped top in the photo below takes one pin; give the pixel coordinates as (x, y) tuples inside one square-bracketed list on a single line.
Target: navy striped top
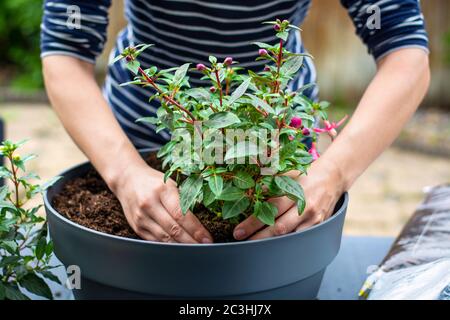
[(191, 30)]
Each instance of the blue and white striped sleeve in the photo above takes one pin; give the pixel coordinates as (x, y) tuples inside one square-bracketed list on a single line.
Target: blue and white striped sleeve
[(400, 24), (74, 28)]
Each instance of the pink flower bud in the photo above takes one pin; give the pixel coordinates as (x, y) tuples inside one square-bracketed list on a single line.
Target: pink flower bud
[(276, 27), (228, 61), (296, 122), (262, 52), (212, 89), (128, 58), (306, 132), (201, 67)]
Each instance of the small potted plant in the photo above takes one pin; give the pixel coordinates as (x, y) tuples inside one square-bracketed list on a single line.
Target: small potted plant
[(235, 143), (25, 251)]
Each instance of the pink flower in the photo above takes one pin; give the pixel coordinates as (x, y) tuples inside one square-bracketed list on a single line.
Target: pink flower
[(313, 151), (262, 52), (276, 27), (306, 132), (296, 122), (201, 67), (266, 68), (212, 89), (330, 127), (228, 61)]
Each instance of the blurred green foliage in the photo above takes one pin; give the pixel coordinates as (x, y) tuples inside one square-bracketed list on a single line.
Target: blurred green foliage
[(447, 47), (19, 42)]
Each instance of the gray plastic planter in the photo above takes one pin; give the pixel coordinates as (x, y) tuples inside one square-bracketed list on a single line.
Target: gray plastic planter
[(285, 267)]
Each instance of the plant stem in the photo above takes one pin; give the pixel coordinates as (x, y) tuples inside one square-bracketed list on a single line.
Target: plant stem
[(279, 60), (169, 99), (219, 85), (15, 181)]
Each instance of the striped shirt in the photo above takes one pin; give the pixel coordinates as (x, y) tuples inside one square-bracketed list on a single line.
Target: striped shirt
[(191, 30)]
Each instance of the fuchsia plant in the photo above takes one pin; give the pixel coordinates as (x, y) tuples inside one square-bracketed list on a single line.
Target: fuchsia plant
[(234, 100)]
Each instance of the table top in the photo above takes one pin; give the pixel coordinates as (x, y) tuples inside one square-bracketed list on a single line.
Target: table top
[(358, 257), (343, 278)]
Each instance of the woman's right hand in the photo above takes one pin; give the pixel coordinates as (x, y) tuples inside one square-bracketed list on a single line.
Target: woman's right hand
[(153, 210)]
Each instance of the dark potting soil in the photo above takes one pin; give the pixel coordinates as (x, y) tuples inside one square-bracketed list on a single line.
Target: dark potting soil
[(88, 201)]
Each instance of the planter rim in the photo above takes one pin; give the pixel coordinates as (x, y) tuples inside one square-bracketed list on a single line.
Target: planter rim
[(49, 206)]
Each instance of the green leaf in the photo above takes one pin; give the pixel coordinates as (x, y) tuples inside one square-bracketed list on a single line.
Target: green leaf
[(151, 120), (2, 291), (49, 183), (208, 195), (306, 87), (142, 47), (222, 120), (288, 150), (242, 149), (291, 66), (290, 186), (199, 94), (167, 148), (118, 58), (239, 92), (266, 212), (212, 59), (9, 260), (263, 45), (133, 66), (216, 184), (36, 285), (48, 275), (181, 73), (137, 82), (12, 292), (231, 194), (40, 248), (49, 248), (232, 209), (260, 103), (283, 35), (301, 204), (3, 192), (243, 180), (189, 192)]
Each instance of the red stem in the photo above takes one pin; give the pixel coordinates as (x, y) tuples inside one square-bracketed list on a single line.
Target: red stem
[(279, 59), (169, 99), (219, 85)]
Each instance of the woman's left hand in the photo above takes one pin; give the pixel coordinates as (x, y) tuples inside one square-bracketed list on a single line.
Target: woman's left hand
[(323, 186)]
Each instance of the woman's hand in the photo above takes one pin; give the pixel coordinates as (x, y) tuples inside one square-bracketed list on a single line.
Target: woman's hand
[(152, 208), (323, 187)]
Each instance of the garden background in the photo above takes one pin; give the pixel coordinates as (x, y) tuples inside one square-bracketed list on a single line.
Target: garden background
[(381, 200)]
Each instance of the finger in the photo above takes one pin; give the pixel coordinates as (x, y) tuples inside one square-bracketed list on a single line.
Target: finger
[(150, 229), (252, 224), (305, 225), (312, 220), (283, 204), (283, 225), (189, 222), (162, 217)]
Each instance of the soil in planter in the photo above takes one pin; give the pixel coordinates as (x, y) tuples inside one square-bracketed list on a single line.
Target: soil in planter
[(89, 202)]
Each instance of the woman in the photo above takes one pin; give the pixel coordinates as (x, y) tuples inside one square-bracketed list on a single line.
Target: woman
[(103, 125)]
